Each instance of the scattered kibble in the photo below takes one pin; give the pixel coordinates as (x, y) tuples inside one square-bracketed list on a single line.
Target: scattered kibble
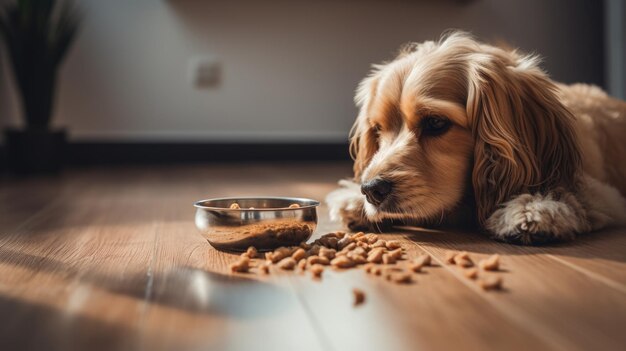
[(490, 264), (462, 259), (302, 264), (327, 253), (396, 254), (401, 278), (250, 253), (317, 270), (393, 244), (490, 283), (241, 266), (378, 258), (342, 262), (471, 273), (450, 257), (264, 268), (376, 255), (287, 263), (311, 260), (298, 254), (359, 296), (388, 259)]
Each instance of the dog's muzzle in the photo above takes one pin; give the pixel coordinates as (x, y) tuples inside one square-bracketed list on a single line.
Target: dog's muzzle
[(376, 190)]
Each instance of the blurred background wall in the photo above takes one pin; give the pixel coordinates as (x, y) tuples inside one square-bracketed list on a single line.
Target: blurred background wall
[(288, 67)]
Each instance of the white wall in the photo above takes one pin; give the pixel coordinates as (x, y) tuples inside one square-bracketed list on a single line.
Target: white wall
[(289, 66)]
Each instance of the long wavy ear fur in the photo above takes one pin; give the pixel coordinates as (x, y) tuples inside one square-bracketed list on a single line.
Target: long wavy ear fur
[(363, 143), (524, 136)]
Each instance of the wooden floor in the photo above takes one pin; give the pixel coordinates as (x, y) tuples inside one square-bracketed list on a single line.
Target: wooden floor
[(110, 259)]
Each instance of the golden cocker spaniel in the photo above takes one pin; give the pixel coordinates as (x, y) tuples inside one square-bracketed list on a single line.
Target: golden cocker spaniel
[(458, 129)]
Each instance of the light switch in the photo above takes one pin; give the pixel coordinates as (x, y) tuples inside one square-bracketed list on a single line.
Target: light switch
[(205, 72)]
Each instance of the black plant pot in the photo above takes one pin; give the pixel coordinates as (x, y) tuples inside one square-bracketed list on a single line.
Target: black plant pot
[(35, 151)]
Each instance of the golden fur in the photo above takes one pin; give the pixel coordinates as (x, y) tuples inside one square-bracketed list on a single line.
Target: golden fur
[(533, 160)]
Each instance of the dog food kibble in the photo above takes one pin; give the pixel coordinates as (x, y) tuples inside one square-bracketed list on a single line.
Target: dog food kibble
[(311, 260), (450, 257), (234, 206), (250, 253), (328, 253), (401, 278), (388, 259), (302, 264), (490, 264), (242, 265), (287, 264), (396, 254), (424, 259), (490, 283), (471, 273), (359, 297), (317, 270), (378, 258), (298, 254), (419, 262), (342, 262), (349, 247), (343, 242), (379, 243), (332, 243), (463, 260), (280, 253), (356, 257), (294, 206), (375, 255), (392, 244), (264, 268)]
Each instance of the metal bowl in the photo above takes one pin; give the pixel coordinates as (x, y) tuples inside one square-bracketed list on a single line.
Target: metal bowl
[(263, 222)]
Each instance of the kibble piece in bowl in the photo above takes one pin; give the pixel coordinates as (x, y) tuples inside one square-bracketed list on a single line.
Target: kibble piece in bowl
[(234, 206), (294, 206)]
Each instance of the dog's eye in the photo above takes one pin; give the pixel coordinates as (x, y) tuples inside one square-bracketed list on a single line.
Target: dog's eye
[(435, 125), (376, 128)]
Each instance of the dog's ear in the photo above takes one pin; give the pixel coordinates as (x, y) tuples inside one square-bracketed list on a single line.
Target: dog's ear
[(363, 138), (524, 139)]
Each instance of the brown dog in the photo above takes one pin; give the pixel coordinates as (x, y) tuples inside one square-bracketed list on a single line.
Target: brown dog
[(460, 124)]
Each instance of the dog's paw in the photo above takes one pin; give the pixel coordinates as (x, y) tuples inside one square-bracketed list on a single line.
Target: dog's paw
[(537, 219), (346, 205)]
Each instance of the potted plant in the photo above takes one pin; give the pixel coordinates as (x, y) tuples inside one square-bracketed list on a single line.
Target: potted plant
[(37, 34)]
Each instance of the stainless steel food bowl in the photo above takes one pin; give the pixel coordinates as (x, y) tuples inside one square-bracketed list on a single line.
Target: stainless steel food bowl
[(263, 222)]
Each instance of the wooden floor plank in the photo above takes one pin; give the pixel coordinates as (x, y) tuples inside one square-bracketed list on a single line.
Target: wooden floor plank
[(193, 289), (541, 292), (110, 259)]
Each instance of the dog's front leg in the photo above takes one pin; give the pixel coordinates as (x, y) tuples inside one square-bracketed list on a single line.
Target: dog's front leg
[(537, 219), (346, 204)]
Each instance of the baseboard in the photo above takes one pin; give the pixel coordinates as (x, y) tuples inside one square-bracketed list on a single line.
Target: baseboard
[(95, 153)]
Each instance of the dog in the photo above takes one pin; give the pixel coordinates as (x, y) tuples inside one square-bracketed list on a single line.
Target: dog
[(458, 131)]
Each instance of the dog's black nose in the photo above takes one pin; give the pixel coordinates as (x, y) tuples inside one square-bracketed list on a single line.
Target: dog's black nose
[(376, 190)]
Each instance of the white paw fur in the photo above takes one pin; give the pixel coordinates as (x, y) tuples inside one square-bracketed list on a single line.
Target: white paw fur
[(535, 219), (346, 204)]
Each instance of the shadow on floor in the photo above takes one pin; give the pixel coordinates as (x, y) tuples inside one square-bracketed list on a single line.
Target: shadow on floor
[(607, 244), (188, 289)]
